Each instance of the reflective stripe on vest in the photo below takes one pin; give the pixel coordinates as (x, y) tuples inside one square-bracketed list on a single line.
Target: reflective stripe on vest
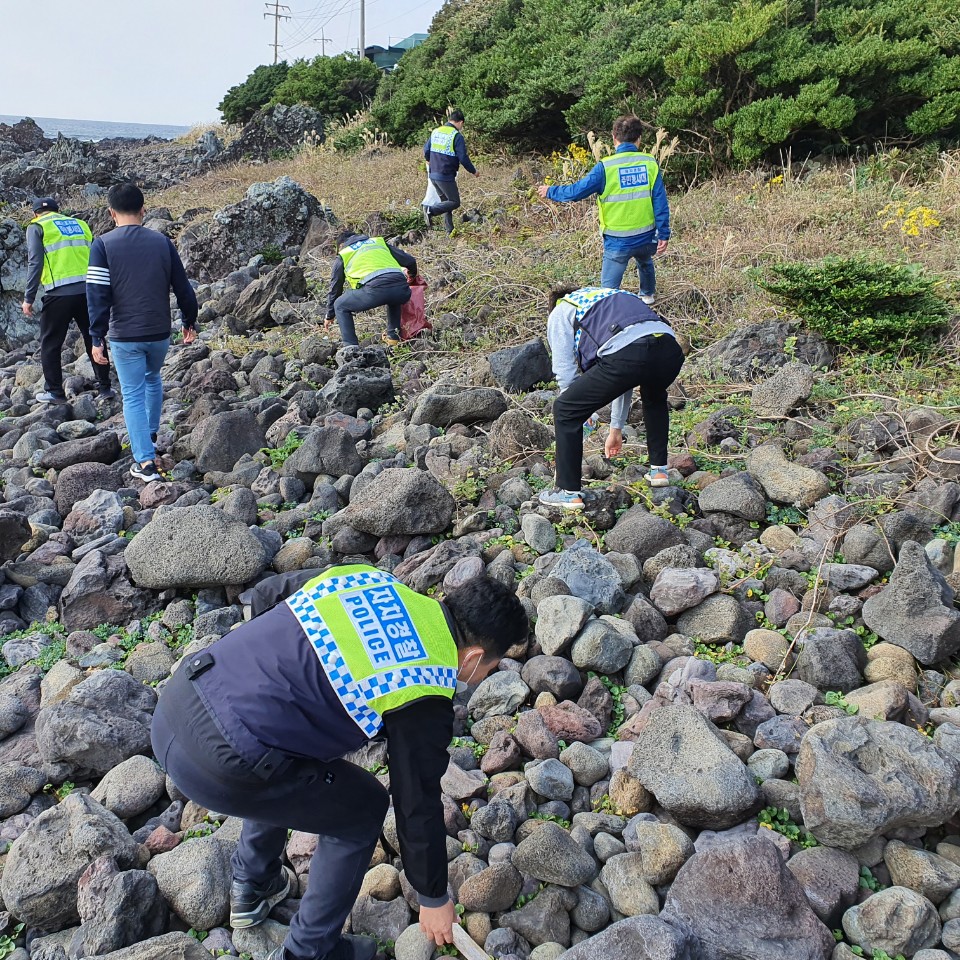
[(441, 140), (366, 258), (381, 644), (600, 325), (66, 249), (626, 204)]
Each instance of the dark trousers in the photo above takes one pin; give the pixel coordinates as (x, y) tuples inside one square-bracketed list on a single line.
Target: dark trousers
[(652, 364), (450, 194), (392, 295), (55, 316), (339, 801)]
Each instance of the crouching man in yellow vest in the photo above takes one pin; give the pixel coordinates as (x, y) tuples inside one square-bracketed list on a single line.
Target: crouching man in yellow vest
[(377, 275), (258, 724), (58, 252)]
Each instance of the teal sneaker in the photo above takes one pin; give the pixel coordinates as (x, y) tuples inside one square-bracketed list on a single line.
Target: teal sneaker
[(564, 499)]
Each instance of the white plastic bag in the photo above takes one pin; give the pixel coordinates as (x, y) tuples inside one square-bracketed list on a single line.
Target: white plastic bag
[(431, 197)]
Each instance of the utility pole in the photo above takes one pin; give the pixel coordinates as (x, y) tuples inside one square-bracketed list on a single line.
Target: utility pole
[(363, 27), (323, 41), (276, 6)]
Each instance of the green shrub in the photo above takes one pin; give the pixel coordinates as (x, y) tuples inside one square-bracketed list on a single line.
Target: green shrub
[(860, 301), (242, 101), (336, 86)]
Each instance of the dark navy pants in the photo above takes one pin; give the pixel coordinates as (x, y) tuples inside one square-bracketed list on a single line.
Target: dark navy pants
[(340, 802), (393, 295)]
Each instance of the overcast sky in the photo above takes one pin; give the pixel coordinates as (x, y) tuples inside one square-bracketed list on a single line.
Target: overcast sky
[(169, 61)]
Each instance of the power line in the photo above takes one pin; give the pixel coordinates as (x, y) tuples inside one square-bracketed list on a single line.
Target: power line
[(277, 17)]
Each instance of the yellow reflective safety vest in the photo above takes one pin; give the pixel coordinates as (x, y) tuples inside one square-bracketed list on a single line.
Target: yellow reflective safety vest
[(366, 259), (626, 204), (66, 249), (381, 644), (441, 140)]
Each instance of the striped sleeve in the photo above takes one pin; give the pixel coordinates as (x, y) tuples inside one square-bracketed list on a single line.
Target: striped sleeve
[(99, 292)]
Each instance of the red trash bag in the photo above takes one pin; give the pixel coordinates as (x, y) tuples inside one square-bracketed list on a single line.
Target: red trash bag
[(413, 314)]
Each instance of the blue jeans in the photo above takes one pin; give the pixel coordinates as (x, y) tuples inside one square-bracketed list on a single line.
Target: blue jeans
[(615, 264), (138, 370)]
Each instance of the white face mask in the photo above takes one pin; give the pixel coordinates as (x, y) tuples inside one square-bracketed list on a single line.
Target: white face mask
[(463, 684)]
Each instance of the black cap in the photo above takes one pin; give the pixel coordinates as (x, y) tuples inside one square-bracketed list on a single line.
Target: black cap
[(45, 203)]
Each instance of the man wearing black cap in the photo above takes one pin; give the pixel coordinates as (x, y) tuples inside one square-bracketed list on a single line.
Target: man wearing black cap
[(377, 274), (58, 250)]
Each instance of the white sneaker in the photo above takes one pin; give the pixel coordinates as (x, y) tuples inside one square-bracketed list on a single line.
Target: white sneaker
[(648, 298)]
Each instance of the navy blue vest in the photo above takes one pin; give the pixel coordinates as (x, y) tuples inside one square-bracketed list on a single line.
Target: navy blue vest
[(601, 315)]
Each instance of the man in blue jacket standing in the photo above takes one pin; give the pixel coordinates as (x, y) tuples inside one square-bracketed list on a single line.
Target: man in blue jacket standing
[(131, 272), (446, 152), (633, 207)]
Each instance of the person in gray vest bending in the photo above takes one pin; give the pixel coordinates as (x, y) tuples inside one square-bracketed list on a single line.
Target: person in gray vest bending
[(604, 343), (258, 725)]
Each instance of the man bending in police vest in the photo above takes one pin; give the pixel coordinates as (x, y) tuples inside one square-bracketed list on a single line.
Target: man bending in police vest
[(632, 204), (377, 274), (257, 725), (604, 343)]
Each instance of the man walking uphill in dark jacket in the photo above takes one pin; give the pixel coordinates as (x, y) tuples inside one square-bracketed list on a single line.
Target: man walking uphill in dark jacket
[(376, 273), (446, 152), (257, 727), (128, 295)]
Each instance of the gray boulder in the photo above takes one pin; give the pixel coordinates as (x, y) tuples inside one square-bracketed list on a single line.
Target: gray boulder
[(686, 764), (590, 576), (643, 534), (271, 214), (676, 589), (638, 938), (171, 946), (744, 904), (447, 404), (782, 393), (218, 442), (559, 620), (784, 481), (915, 610), (14, 533), (98, 725), (131, 788), (99, 591), (738, 495), (41, 889), (830, 879), (194, 879), (327, 450), (831, 659), (895, 920), (80, 480), (196, 546), (550, 854), (363, 379), (517, 369), (100, 448), (116, 908), (601, 647), (718, 619), (401, 502), (846, 793), (500, 694), (284, 282)]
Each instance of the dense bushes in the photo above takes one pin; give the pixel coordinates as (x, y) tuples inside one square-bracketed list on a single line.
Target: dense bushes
[(336, 86), (734, 79), (245, 99), (860, 302)]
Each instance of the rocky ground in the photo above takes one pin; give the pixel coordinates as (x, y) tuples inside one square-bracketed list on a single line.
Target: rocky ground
[(734, 731)]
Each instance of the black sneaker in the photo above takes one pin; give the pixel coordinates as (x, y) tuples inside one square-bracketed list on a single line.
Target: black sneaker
[(147, 472), (250, 905), (106, 393)]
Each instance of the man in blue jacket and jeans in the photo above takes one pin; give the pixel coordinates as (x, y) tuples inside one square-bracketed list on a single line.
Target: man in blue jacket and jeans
[(129, 279), (633, 208), (446, 152)]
